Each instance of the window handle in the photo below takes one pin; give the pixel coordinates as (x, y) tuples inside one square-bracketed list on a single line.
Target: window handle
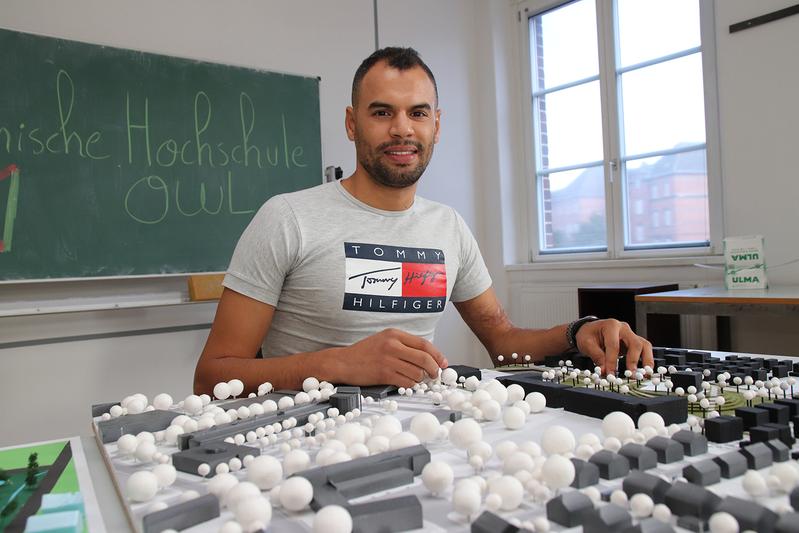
[(614, 166)]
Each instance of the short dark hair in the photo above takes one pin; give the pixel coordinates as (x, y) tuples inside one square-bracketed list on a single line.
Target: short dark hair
[(396, 57)]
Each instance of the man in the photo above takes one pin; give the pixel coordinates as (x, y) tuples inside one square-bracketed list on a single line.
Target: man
[(346, 281)]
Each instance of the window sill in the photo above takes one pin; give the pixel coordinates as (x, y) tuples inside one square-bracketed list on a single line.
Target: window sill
[(711, 260)]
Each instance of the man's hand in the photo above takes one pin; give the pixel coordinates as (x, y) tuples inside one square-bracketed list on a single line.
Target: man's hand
[(601, 340), (391, 357)]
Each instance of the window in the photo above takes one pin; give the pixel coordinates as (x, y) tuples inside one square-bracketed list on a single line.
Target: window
[(622, 122)]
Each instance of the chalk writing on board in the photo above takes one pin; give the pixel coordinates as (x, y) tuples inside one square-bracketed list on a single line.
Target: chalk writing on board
[(160, 194)]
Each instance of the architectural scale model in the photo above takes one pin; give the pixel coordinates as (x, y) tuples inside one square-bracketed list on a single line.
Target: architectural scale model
[(697, 442)]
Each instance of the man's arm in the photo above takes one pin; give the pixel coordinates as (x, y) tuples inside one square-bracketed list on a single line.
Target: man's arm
[(601, 340), (241, 323)]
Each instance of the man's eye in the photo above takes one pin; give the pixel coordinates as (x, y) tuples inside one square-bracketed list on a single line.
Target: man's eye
[(419, 114), (380, 113)]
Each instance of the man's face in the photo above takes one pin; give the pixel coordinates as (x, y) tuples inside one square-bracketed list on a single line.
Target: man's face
[(394, 124)]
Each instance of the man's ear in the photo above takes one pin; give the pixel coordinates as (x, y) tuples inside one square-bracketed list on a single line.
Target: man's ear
[(438, 126), (349, 122)]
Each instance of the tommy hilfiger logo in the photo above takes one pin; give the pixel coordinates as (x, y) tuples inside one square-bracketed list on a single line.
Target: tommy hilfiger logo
[(394, 279)]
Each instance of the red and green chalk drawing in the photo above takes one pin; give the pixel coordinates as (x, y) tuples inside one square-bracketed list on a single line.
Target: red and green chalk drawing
[(11, 205)]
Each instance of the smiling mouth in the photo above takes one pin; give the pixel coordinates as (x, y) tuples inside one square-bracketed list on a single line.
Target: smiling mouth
[(401, 155)]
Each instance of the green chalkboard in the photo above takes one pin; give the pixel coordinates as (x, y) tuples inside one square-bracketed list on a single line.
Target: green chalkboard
[(115, 162)]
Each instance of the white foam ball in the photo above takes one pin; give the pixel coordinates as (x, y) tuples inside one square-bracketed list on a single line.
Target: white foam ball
[(285, 402), (449, 376), (651, 420), (222, 391), (505, 448), (493, 502), (358, 450), (497, 391), (723, 523), (265, 471), (332, 519), (455, 399), (662, 513), (786, 474), (619, 497), (471, 383), (464, 432), (515, 393), (350, 434), (296, 493), (557, 472), (437, 476), (145, 450), (252, 510), (403, 439), (618, 424), (557, 439), (425, 427), (466, 502), (537, 402), (754, 483), (480, 449), (517, 461), (141, 486), (162, 401), (387, 426), (166, 475), (193, 404), (239, 492), (236, 387), (310, 383), (584, 452), (135, 406), (491, 409), (513, 417), (378, 444), (612, 443), (295, 461), (641, 505), (509, 489), (126, 445), (231, 526)]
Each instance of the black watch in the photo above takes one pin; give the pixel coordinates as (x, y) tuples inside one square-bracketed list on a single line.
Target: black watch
[(574, 327)]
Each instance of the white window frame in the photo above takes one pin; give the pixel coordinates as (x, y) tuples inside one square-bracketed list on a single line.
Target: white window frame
[(614, 210)]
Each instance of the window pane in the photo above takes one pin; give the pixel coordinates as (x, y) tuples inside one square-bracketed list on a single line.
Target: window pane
[(573, 210), (570, 126), (663, 105), (670, 198), (655, 28), (563, 45)]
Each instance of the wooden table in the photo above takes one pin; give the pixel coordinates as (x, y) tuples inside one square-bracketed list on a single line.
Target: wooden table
[(721, 303)]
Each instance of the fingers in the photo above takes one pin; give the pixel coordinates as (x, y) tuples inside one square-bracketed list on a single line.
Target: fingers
[(423, 345), (405, 374), (638, 348), (610, 336), (592, 349)]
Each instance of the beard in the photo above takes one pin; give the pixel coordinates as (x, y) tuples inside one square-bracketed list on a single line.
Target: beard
[(393, 176)]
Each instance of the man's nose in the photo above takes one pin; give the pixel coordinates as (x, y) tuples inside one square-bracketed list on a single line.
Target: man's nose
[(401, 126)]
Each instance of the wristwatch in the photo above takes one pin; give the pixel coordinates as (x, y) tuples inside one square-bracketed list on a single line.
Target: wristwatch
[(574, 327)]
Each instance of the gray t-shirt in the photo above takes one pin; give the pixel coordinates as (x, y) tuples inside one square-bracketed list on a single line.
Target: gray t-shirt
[(337, 270)]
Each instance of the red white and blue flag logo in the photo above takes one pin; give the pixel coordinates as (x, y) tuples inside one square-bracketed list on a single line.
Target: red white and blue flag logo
[(393, 279)]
